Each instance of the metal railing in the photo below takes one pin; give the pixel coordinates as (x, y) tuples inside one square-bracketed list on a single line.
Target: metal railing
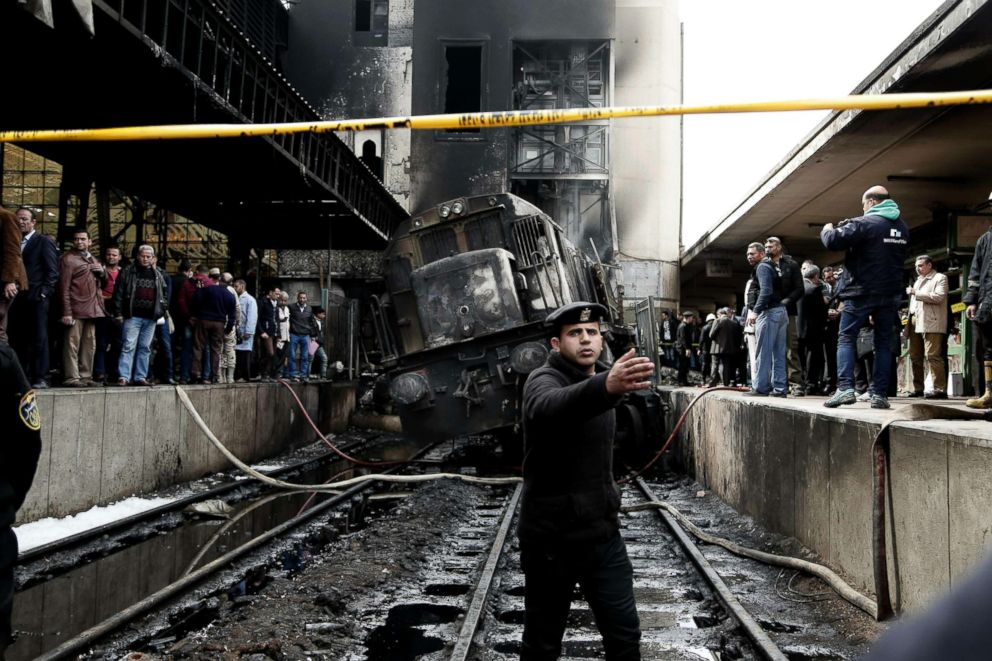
[(197, 38)]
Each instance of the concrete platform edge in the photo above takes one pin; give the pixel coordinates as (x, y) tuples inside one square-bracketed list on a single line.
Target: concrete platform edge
[(805, 471), (103, 444)]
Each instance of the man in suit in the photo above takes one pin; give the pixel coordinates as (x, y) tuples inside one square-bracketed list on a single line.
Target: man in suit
[(12, 276), (29, 319)]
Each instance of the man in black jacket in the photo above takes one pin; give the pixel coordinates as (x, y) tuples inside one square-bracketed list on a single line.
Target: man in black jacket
[(140, 299), (301, 329), (812, 327), (214, 315), (19, 450), (683, 345), (268, 332), (569, 530), (978, 298), (872, 287), (792, 284)]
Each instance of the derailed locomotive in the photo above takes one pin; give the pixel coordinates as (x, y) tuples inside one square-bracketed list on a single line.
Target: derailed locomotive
[(469, 285)]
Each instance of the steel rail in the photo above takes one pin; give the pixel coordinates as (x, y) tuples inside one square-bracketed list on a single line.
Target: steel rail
[(765, 646), (85, 639), (85, 535), (481, 595)]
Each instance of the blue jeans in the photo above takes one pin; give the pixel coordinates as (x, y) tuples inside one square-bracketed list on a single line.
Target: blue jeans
[(771, 333), (165, 349), (299, 343), (138, 335), (320, 361), (854, 316)]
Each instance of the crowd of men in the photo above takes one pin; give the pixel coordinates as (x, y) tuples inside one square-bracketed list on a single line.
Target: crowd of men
[(136, 325), (835, 331)]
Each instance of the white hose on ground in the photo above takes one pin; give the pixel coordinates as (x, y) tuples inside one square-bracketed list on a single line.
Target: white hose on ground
[(332, 486), (824, 573)]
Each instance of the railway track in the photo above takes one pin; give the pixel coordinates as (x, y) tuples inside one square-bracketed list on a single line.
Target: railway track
[(454, 593), (78, 565), (471, 605)]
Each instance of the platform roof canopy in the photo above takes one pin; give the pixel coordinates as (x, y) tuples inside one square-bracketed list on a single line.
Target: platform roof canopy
[(152, 62), (931, 160)]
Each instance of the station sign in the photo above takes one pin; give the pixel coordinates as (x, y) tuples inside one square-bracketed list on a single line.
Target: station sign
[(717, 267)]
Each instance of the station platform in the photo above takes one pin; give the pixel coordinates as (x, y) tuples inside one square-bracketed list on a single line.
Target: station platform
[(103, 444), (804, 470)]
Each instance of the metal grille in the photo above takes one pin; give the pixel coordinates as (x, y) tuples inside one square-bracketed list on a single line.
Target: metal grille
[(530, 241), (266, 22), (484, 232), (438, 244)]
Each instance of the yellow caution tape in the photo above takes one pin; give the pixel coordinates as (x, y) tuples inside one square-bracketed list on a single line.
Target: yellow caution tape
[(496, 119)]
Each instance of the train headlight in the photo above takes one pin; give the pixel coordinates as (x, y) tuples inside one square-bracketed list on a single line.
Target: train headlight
[(409, 388), (457, 208), (444, 211), (527, 357)]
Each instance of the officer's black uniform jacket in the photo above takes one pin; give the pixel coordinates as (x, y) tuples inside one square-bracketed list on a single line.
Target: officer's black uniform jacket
[(20, 445), (569, 493), (21, 442)]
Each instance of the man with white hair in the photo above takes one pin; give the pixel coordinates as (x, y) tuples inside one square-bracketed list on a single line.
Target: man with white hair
[(927, 328), (139, 301)]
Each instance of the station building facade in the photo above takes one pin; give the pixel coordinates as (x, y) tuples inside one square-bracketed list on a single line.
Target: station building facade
[(613, 185)]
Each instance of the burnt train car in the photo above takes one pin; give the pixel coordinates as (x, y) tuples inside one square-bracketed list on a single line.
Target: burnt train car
[(469, 285)]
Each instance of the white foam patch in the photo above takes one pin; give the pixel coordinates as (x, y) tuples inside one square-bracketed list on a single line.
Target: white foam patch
[(265, 468), (43, 531)]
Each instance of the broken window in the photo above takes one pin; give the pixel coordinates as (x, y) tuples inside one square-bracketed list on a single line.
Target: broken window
[(371, 21), (462, 81)]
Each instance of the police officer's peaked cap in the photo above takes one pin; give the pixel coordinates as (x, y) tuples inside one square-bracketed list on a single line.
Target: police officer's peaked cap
[(688, 313), (579, 312)]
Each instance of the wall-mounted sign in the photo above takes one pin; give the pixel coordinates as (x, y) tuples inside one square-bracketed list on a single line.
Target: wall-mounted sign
[(969, 229), (717, 267)]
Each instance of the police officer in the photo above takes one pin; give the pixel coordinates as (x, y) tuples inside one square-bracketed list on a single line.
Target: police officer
[(19, 450), (876, 249), (569, 529)]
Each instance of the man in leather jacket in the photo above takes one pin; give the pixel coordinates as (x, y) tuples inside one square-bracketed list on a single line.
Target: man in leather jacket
[(569, 529)]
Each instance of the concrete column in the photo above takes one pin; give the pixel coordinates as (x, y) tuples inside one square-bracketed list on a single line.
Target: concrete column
[(646, 152)]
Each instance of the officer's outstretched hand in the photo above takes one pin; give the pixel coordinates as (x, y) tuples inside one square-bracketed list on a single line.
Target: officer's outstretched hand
[(631, 372)]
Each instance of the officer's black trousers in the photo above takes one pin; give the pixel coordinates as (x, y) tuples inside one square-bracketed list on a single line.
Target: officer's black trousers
[(8, 555), (603, 572)]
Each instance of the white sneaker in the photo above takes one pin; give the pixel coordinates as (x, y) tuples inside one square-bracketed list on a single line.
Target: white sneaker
[(865, 396)]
